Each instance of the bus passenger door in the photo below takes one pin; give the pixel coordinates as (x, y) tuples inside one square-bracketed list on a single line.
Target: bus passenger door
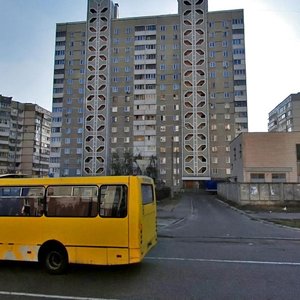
[(114, 215), (149, 233)]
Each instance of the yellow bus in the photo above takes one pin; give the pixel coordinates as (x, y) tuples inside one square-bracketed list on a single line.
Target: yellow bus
[(86, 220)]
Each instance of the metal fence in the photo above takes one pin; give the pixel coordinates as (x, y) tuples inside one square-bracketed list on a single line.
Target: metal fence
[(261, 193)]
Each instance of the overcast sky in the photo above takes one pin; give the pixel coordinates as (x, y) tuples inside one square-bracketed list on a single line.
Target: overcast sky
[(272, 27)]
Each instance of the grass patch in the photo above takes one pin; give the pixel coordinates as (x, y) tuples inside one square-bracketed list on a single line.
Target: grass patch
[(291, 223)]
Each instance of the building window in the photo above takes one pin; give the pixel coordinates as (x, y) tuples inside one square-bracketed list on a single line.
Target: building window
[(279, 177), (298, 152), (257, 177), (214, 160), (162, 160), (176, 86)]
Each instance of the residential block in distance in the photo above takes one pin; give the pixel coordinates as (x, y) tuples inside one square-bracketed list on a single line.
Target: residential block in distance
[(286, 115), (24, 138)]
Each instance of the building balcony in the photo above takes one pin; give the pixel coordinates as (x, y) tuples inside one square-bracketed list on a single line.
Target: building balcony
[(4, 134), (145, 102), (240, 98), (58, 85), (55, 144), (239, 77), (144, 143), (145, 81), (144, 71), (240, 109), (144, 92), (58, 95), (145, 42), (60, 39), (59, 67), (144, 133), (238, 56), (145, 32), (142, 112), (240, 88), (146, 51), (59, 76), (241, 120), (144, 122), (237, 26), (238, 35)]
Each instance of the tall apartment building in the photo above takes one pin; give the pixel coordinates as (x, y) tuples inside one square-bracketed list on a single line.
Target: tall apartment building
[(68, 100), (24, 138), (169, 89), (286, 115)]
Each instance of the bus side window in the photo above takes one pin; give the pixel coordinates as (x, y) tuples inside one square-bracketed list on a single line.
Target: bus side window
[(33, 201), (147, 194), (113, 201), (10, 201), (72, 201), (21, 201)]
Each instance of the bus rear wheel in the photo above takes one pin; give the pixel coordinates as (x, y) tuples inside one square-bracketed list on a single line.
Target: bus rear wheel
[(56, 260)]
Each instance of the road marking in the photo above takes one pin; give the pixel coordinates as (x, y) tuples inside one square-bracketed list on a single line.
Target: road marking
[(48, 296), (227, 261)]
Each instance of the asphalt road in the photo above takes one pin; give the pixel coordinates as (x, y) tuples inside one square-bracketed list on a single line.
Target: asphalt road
[(206, 250)]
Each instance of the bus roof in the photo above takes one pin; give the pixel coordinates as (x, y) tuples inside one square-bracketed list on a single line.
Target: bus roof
[(12, 181)]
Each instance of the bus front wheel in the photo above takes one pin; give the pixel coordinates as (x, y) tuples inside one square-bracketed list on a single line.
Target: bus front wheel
[(56, 260)]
